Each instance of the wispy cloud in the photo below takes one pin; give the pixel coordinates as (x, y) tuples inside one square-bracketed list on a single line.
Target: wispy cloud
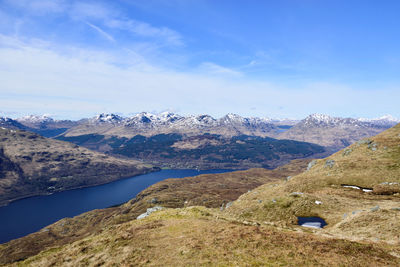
[(93, 10), (215, 69), (164, 34), (99, 15), (38, 7), (102, 32)]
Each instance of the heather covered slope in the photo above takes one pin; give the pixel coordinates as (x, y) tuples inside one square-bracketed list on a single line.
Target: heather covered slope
[(34, 165)]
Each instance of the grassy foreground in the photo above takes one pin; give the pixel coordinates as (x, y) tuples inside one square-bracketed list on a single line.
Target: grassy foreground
[(197, 236)]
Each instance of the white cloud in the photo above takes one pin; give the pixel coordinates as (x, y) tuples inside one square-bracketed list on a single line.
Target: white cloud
[(102, 32)]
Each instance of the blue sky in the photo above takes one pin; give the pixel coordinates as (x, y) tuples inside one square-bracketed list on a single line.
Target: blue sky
[(284, 58)]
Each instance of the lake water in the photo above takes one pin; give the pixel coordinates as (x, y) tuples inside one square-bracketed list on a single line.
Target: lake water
[(29, 215)]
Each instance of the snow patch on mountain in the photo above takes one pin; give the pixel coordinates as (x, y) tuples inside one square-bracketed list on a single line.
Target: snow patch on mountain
[(35, 119), (10, 123), (326, 120), (108, 118), (388, 120)]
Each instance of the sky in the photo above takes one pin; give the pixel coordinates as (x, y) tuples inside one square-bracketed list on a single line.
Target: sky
[(277, 59)]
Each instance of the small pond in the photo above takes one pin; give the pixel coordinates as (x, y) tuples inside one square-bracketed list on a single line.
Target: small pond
[(312, 222)]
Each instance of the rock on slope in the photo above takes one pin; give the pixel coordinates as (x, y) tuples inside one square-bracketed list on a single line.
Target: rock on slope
[(34, 165)]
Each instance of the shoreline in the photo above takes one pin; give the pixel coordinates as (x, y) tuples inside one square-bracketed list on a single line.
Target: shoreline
[(8, 202)]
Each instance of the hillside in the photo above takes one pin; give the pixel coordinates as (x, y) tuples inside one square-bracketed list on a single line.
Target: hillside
[(356, 190), (197, 236), (34, 165), (202, 151)]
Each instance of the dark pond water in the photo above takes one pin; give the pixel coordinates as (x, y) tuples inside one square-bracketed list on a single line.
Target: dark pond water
[(28, 215), (312, 222)]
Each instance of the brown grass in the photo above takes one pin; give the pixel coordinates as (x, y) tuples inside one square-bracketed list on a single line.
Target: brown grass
[(195, 237)]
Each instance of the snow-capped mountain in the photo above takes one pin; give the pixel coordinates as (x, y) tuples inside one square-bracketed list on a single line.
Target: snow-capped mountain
[(151, 120), (322, 120), (146, 123), (386, 120), (336, 132), (108, 118), (11, 124), (321, 129), (230, 124), (45, 125), (35, 119)]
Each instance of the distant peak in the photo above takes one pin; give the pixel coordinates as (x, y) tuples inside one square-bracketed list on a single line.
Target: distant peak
[(36, 118), (232, 117), (320, 118), (387, 118), (5, 119), (108, 117)]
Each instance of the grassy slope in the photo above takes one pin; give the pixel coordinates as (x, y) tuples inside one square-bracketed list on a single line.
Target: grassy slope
[(36, 165), (196, 236)]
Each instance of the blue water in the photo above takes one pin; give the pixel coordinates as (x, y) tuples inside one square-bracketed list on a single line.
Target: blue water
[(29, 215), (313, 222)]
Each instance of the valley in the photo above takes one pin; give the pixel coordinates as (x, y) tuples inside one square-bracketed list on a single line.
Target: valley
[(203, 151)]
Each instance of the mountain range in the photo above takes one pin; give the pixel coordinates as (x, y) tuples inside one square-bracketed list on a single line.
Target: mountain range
[(320, 129), (232, 141)]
